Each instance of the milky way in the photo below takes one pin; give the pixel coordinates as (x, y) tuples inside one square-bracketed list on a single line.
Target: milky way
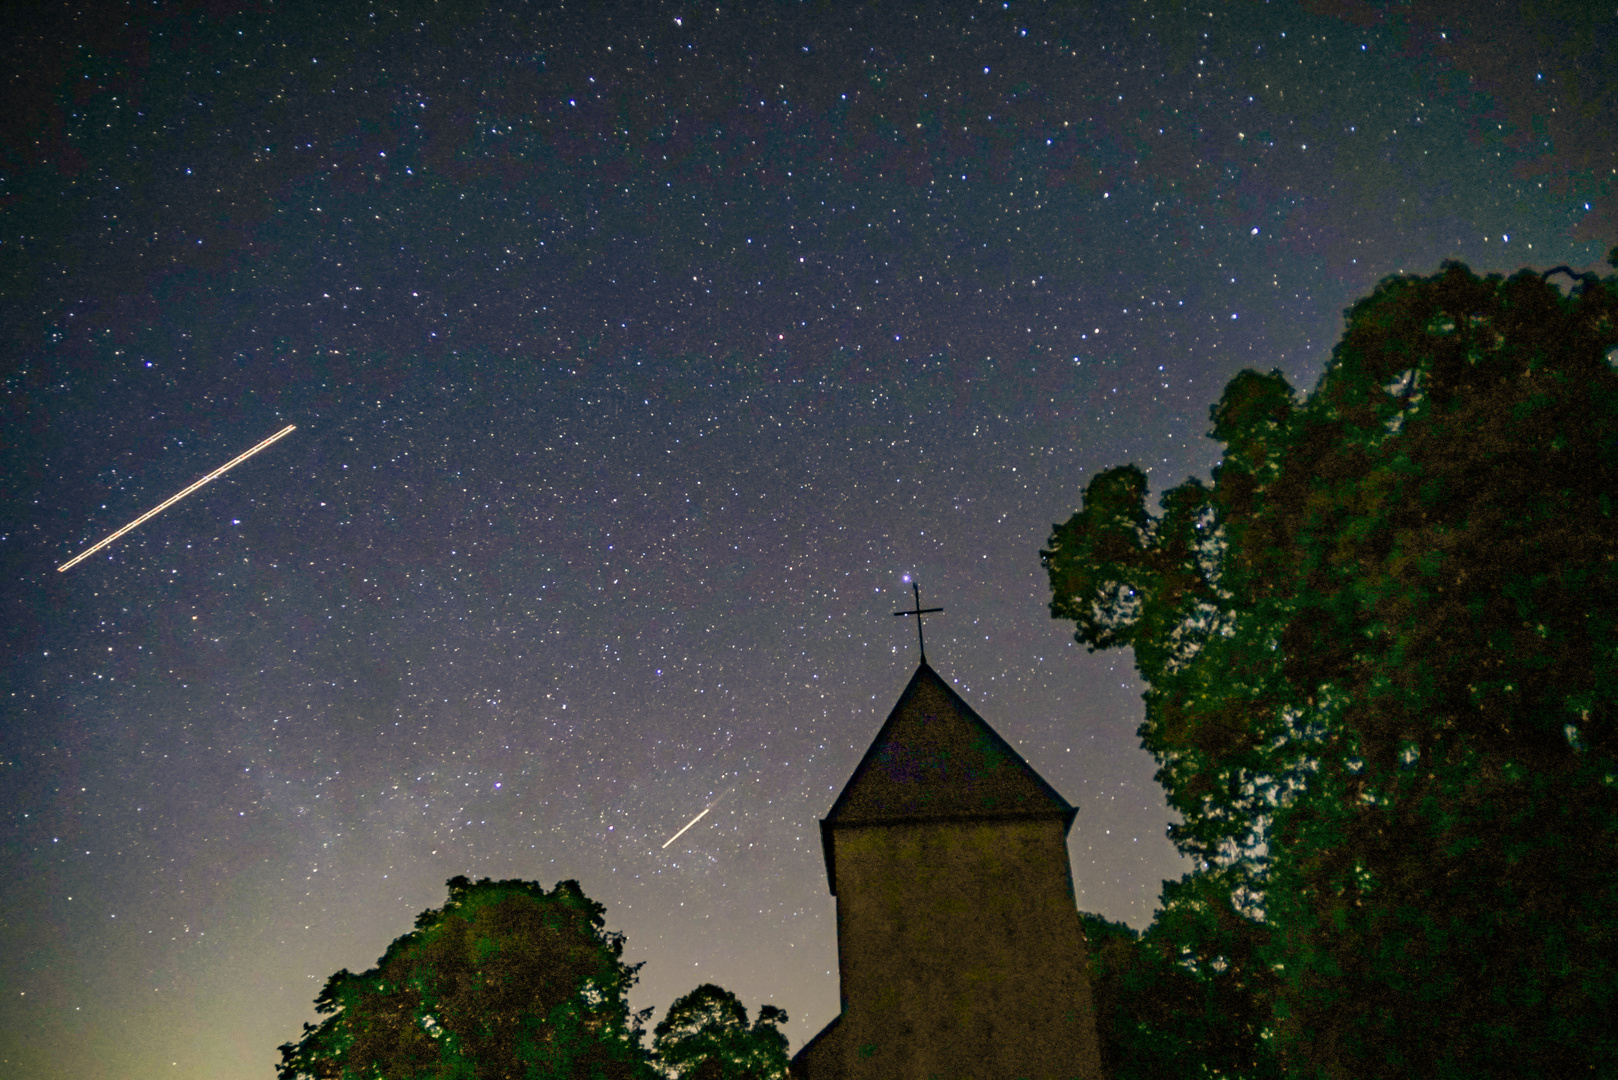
[(636, 360)]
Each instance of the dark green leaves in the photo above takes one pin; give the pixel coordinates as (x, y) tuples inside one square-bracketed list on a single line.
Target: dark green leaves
[(705, 1036), (510, 981), (1382, 652), (505, 980)]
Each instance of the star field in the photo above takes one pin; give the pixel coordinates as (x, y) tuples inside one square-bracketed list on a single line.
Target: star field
[(639, 356)]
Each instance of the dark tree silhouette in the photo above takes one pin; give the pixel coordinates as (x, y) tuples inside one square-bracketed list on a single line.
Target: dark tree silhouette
[(1382, 652), (505, 980), (1167, 1003), (706, 1036)]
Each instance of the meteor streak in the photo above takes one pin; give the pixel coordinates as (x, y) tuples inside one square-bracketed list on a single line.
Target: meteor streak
[(165, 504), (681, 833), (696, 819)]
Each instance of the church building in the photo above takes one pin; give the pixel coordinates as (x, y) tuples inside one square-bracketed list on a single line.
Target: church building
[(959, 948)]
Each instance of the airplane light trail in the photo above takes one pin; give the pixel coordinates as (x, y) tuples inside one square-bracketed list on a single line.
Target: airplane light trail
[(165, 504), (698, 818), (681, 833)]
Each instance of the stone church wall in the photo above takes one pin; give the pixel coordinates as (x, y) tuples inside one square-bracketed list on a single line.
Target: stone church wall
[(962, 954)]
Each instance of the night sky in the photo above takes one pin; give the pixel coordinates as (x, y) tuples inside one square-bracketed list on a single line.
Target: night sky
[(637, 354)]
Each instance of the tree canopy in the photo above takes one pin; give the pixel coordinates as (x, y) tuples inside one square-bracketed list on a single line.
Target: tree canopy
[(509, 981), (1382, 656), (506, 980), (705, 1036), (1161, 1011)]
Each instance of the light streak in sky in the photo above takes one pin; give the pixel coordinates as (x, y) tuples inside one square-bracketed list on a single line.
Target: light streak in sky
[(698, 818), (166, 503)]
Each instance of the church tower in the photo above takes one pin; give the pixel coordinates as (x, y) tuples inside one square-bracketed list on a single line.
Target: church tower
[(960, 952)]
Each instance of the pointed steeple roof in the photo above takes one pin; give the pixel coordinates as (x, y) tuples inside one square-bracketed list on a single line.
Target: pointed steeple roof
[(936, 759)]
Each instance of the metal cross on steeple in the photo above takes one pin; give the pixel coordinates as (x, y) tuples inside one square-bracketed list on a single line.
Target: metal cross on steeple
[(918, 612)]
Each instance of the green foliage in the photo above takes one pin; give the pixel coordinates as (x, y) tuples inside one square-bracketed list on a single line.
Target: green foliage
[(705, 1036), (505, 980), (1382, 651), (1170, 1003)]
